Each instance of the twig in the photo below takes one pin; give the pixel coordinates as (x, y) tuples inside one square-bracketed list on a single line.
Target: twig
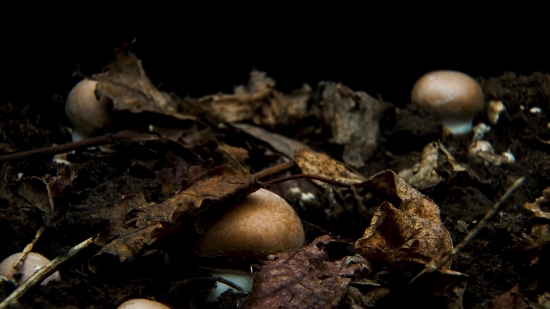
[(228, 283), (297, 176), (88, 142), (435, 265), (43, 273), (274, 170), (28, 248), (315, 226)]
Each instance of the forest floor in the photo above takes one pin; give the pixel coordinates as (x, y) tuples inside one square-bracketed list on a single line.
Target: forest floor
[(186, 142)]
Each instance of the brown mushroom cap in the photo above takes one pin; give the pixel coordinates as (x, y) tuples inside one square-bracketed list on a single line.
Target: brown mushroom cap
[(33, 262), (454, 96), (142, 303), (86, 112), (260, 224)]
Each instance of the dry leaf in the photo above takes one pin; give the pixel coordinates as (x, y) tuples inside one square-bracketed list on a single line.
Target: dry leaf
[(320, 164), (243, 103), (279, 143), (178, 173), (258, 101), (281, 109), (135, 225), (436, 160), (339, 198), (535, 241), (65, 177), (512, 299), (125, 82), (240, 154), (412, 233), (306, 278), (535, 207), (353, 118)]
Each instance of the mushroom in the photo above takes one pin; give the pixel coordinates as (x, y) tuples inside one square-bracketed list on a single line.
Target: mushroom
[(86, 111), (262, 223), (142, 303), (33, 262), (454, 96), (494, 108), (477, 147)]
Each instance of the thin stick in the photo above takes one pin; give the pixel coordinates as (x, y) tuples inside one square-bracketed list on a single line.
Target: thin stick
[(43, 273), (88, 142), (228, 283), (435, 265), (313, 225), (274, 170), (297, 176), (28, 248)]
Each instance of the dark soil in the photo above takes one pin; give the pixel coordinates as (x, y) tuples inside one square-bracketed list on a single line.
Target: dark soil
[(492, 261)]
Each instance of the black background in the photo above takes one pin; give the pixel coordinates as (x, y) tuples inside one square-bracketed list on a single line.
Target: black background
[(203, 51)]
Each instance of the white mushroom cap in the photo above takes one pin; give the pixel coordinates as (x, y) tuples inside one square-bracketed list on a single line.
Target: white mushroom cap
[(479, 146), (86, 112), (142, 303), (454, 96), (260, 224), (494, 108), (33, 262)]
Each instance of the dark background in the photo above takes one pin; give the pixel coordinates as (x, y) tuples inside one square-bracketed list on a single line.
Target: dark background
[(210, 50)]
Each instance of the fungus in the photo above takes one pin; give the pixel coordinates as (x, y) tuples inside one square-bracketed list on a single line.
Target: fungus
[(33, 262), (454, 96), (479, 146), (142, 303), (86, 111), (262, 223), (494, 108), (482, 151), (480, 130)]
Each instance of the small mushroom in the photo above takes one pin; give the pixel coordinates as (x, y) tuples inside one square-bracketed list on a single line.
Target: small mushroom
[(86, 111), (33, 262), (262, 223), (477, 147), (142, 303), (494, 108), (454, 96)]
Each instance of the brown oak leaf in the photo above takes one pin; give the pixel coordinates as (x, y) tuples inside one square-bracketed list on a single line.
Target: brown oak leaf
[(307, 278)]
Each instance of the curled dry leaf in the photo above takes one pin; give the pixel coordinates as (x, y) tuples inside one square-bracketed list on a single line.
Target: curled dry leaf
[(435, 162), (353, 118), (65, 177), (412, 233), (320, 164), (280, 143), (512, 299), (306, 278), (135, 225), (535, 242), (238, 153), (535, 207), (259, 102), (125, 82)]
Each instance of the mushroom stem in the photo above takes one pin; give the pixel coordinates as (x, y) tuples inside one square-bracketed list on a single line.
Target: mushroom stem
[(240, 279)]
